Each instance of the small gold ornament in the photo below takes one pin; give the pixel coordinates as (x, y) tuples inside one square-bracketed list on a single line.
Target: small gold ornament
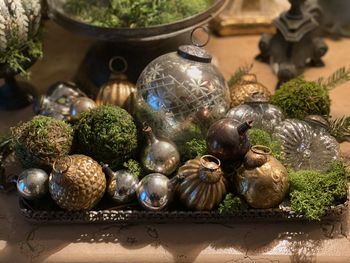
[(262, 180), (118, 91), (204, 184), (77, 182), (245, 88)]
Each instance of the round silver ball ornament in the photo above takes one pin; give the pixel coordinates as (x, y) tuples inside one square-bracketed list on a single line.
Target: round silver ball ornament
[(155, 191), (80, 105), (159, 156), (181, 91), (33, 184), (121, 187)]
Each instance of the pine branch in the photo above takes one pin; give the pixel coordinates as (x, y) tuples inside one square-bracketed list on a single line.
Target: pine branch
[(239, 73), (340, 76), (340, 128)]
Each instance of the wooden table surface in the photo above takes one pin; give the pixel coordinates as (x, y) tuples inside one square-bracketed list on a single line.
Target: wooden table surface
[(263, 242)]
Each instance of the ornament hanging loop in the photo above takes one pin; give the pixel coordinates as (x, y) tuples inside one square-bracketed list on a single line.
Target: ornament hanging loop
[(193, 38), (122, 65)]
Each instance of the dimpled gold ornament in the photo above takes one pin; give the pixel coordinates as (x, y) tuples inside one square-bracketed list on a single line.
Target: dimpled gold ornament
[(77, 182), (204, 184), (118, 91), (245, 88), (262, 180)]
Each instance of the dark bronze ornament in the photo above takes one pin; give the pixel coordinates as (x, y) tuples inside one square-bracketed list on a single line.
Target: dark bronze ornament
[(227, 139)]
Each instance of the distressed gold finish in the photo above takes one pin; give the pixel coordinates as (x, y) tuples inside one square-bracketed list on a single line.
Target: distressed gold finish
[(77, 182), (204, 184), (262, 180), (245, 88)]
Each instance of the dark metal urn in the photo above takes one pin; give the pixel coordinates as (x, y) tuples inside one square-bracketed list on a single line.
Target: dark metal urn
[(295, 45)]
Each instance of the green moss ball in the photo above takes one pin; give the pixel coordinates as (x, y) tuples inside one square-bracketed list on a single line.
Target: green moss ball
[(299, 98), (108, 134), (39, 142)]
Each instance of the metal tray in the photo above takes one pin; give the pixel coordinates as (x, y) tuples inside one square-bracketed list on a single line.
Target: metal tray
[(283, 213)]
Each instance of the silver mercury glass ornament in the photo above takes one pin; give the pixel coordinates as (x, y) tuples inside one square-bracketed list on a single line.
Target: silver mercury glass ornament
[(156, 191), (121, 185), (80, 105), (159, 156), (180, 91), (33, 184)]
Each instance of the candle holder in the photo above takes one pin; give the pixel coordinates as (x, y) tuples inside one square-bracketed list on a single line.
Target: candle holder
[(295, 45)]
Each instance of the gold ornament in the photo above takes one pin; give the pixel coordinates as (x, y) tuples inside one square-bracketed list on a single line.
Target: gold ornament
[(77, 182), (118, 91), (245, 88), (204, 185), (262, 180)]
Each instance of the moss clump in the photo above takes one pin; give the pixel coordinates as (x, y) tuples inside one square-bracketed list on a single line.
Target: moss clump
[(107, 134), (131, 13), (192, 149), (312, 192), (260, 137), (232, 204), (299, 98), (39, 142), (134, 167), (16, 56)]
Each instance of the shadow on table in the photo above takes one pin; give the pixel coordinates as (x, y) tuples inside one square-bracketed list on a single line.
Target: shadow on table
[(183, 242)]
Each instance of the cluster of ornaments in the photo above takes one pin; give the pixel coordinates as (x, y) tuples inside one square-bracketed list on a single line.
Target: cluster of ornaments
[(177, 91)]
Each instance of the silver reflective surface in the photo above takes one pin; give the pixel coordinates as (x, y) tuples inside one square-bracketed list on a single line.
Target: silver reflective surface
[(122, 187), (305, 147), (176, 94), (160, 156), (154, 192), (33, 184), (264, 116)]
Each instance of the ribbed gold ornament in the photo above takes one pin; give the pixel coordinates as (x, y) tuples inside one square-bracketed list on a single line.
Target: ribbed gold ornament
[(204, 185), (245, 88), (77, 182), (118, 91)]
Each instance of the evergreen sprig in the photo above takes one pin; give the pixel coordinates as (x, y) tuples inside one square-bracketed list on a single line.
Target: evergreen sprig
[(340, 128), (339, 77), (239, 73)]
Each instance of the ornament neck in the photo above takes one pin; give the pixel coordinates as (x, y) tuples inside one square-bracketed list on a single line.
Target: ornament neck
[(150, 135), (244, 127), (210, 171), (257, 156), (107, 170)]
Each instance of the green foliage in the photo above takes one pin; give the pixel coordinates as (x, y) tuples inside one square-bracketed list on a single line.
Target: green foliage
[(260, 137), (133, 14), (299, 98), (134, 167), (107, 134), (15, 56), (340, 128), (312, 192), (238, 74), (232, 204), (340, 76), (40, 141), (192, 149)]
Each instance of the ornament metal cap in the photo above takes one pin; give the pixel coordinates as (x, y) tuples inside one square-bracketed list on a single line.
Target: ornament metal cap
[(195, 51)]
